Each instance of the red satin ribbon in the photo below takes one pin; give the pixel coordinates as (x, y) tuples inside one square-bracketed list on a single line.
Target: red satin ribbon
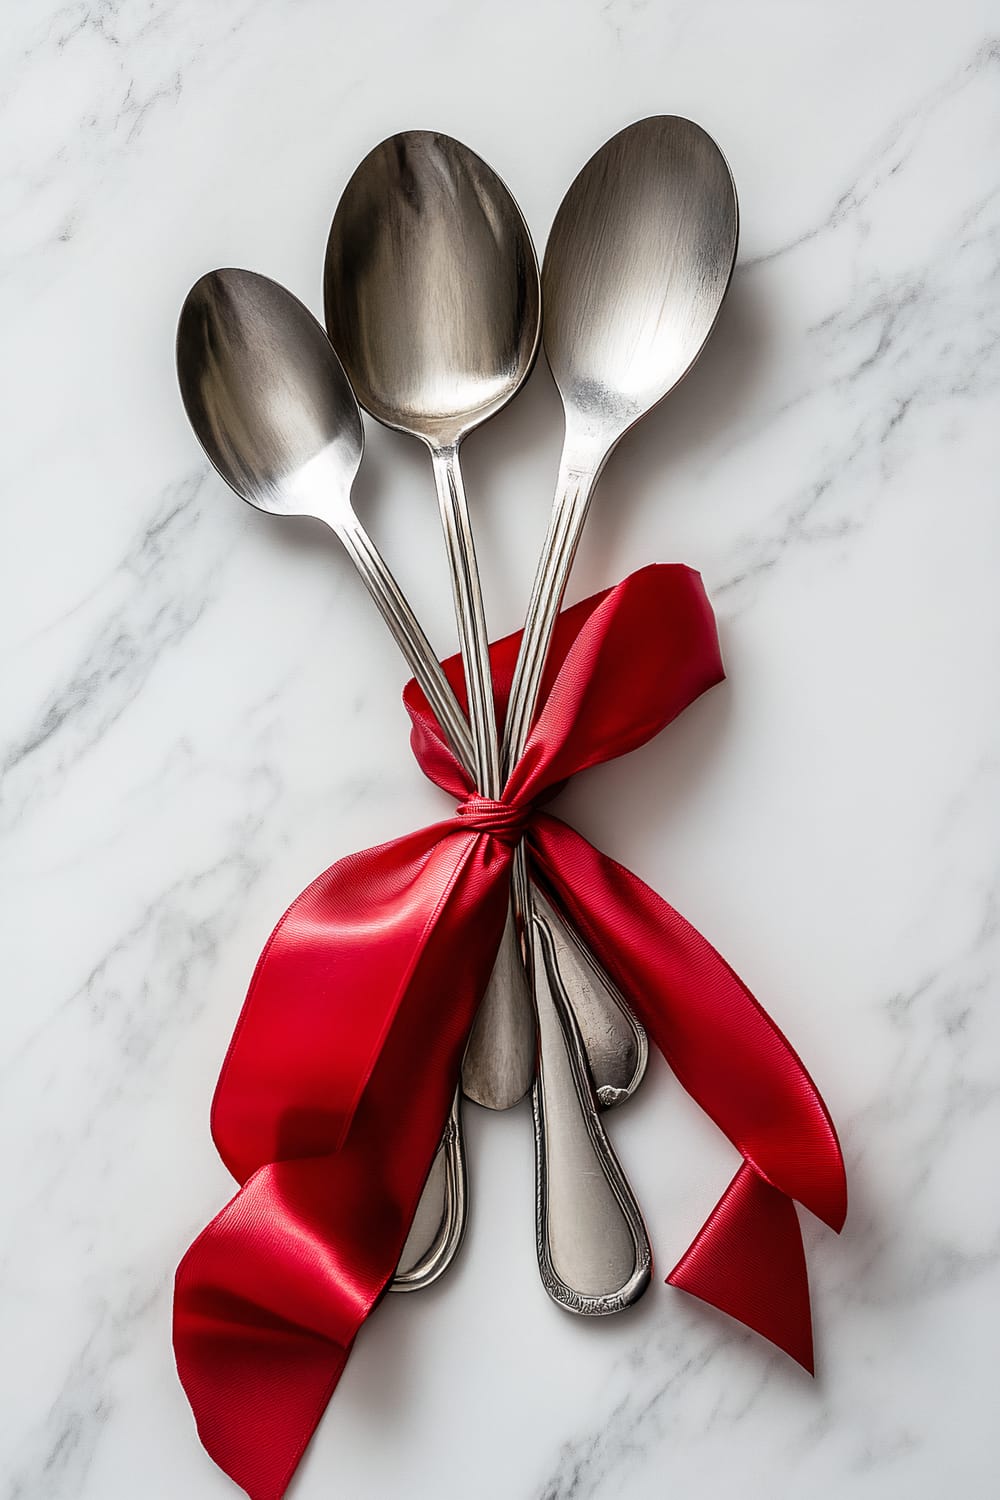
[(339, 1077)]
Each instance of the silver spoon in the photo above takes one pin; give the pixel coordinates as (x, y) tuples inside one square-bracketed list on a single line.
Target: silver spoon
[(432, 303), (636, 269), (275, 413)]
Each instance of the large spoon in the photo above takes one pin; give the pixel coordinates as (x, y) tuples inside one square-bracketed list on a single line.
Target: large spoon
[(636, 269), (275, 413), (637, 265), (432, 303)]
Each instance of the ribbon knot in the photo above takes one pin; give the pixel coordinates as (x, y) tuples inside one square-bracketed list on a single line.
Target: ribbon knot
[(506, 821)]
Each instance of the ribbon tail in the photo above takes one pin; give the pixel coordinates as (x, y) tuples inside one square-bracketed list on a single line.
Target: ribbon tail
[(729, 1055), (327, 992), (270, 1297), (258, 1380), (748, 1260)]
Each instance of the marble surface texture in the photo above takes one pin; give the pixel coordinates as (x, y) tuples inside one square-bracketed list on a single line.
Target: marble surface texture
[(200, 712)]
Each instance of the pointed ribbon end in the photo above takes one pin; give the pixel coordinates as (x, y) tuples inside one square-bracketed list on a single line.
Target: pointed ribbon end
[(748, 1261)]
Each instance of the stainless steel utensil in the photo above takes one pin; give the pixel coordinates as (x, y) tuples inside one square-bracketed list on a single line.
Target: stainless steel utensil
[(615, 1045), (432, 303), (636, 268), (593, 1251), (275, 413), (637, 265), (438, 1226)]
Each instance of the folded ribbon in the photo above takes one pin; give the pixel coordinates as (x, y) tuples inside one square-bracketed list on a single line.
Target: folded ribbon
[(338, 1081)]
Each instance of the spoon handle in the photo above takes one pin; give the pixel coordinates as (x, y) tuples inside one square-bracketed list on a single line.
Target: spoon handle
[(500, 1058), (593, 1251), (470, 616), (574, 489), (442, 1214), (593, 1254), (615, 1042), (405, 628)]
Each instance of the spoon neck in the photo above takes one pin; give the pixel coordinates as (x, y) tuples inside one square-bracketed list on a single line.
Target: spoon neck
[(444, 455), (402, 622), (470, 615), (585, 451), (579, 471)]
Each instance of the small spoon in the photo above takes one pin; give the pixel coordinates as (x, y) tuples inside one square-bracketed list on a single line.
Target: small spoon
[(275, 413), (636, 269), (432, 303)]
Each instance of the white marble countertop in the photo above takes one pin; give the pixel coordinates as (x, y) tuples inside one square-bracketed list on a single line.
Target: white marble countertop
[(200, 713)]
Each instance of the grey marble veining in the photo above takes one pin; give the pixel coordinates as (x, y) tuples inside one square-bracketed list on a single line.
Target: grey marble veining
[(200, 712)]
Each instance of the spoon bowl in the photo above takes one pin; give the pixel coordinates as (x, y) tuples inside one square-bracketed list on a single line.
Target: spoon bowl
[(268, 397), (636, 270), (431, 287)]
